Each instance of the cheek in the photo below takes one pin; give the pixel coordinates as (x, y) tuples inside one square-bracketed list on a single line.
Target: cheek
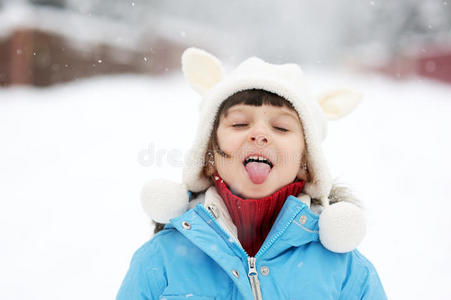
[(292, 150), (229, 141)]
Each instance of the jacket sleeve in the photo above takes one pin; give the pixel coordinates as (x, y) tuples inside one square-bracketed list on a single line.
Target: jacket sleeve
[(364, 283), (145, 279)]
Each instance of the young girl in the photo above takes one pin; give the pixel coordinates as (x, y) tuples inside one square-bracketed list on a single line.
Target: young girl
[(257, 216)]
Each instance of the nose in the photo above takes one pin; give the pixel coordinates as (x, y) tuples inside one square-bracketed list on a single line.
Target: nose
[(259, 136), (260, 139)]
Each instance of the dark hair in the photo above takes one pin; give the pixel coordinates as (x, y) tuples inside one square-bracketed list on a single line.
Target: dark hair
[(158, 227), (254, 97)]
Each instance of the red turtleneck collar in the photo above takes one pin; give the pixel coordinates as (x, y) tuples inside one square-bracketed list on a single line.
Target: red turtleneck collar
[(255, 217)]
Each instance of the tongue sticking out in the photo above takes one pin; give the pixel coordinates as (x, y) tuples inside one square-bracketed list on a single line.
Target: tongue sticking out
[(258, 171)]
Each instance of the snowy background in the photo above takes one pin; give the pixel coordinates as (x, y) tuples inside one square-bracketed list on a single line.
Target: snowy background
[(74, 156)]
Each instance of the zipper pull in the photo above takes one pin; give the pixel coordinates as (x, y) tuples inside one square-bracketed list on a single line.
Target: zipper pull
[(253, 278)]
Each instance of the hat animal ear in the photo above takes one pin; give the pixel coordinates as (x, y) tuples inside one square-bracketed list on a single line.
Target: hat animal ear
[(338, 103), (202, 70)]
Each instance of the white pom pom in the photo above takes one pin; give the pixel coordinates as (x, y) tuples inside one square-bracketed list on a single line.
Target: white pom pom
[(341, 227), (163, 200)]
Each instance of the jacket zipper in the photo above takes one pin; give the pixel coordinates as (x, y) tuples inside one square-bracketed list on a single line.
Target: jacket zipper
[(252, 261), (253, 278)]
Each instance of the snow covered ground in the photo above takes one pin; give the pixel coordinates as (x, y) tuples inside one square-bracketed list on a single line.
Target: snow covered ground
[(73, 159)]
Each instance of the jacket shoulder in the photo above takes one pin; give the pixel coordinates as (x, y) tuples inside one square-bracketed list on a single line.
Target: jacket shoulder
[(148, 249), (363, 281), (145, 278), (362, 262)]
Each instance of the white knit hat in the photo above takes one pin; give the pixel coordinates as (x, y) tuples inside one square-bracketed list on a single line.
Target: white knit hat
[(342, 224)]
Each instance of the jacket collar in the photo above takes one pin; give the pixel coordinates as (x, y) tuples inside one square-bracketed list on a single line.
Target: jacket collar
[(296, 222), (254, 218)]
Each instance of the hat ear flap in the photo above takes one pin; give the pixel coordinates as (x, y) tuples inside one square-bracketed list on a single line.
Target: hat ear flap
[(338, 103), (201, 69)]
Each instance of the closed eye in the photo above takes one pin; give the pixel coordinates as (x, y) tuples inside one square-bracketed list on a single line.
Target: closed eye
[(281, 129), (239, 125)]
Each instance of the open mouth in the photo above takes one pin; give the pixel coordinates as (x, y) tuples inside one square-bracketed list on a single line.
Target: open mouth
[(258, 159), (258, 168)]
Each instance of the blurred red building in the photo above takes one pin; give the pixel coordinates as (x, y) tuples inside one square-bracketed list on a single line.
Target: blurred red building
[(429, 62), (40, 58)]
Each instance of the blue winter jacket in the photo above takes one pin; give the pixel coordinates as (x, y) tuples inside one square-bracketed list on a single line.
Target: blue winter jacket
[(194, 258)]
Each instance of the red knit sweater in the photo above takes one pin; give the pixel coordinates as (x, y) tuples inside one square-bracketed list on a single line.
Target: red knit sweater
[(255, 217)]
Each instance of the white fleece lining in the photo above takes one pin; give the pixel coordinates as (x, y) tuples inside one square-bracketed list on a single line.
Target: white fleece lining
[(321, 183)]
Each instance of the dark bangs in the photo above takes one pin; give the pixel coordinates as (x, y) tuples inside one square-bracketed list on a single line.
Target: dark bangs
[(254, 97)]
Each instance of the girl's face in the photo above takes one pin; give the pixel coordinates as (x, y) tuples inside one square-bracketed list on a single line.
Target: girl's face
[(273, 134)]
